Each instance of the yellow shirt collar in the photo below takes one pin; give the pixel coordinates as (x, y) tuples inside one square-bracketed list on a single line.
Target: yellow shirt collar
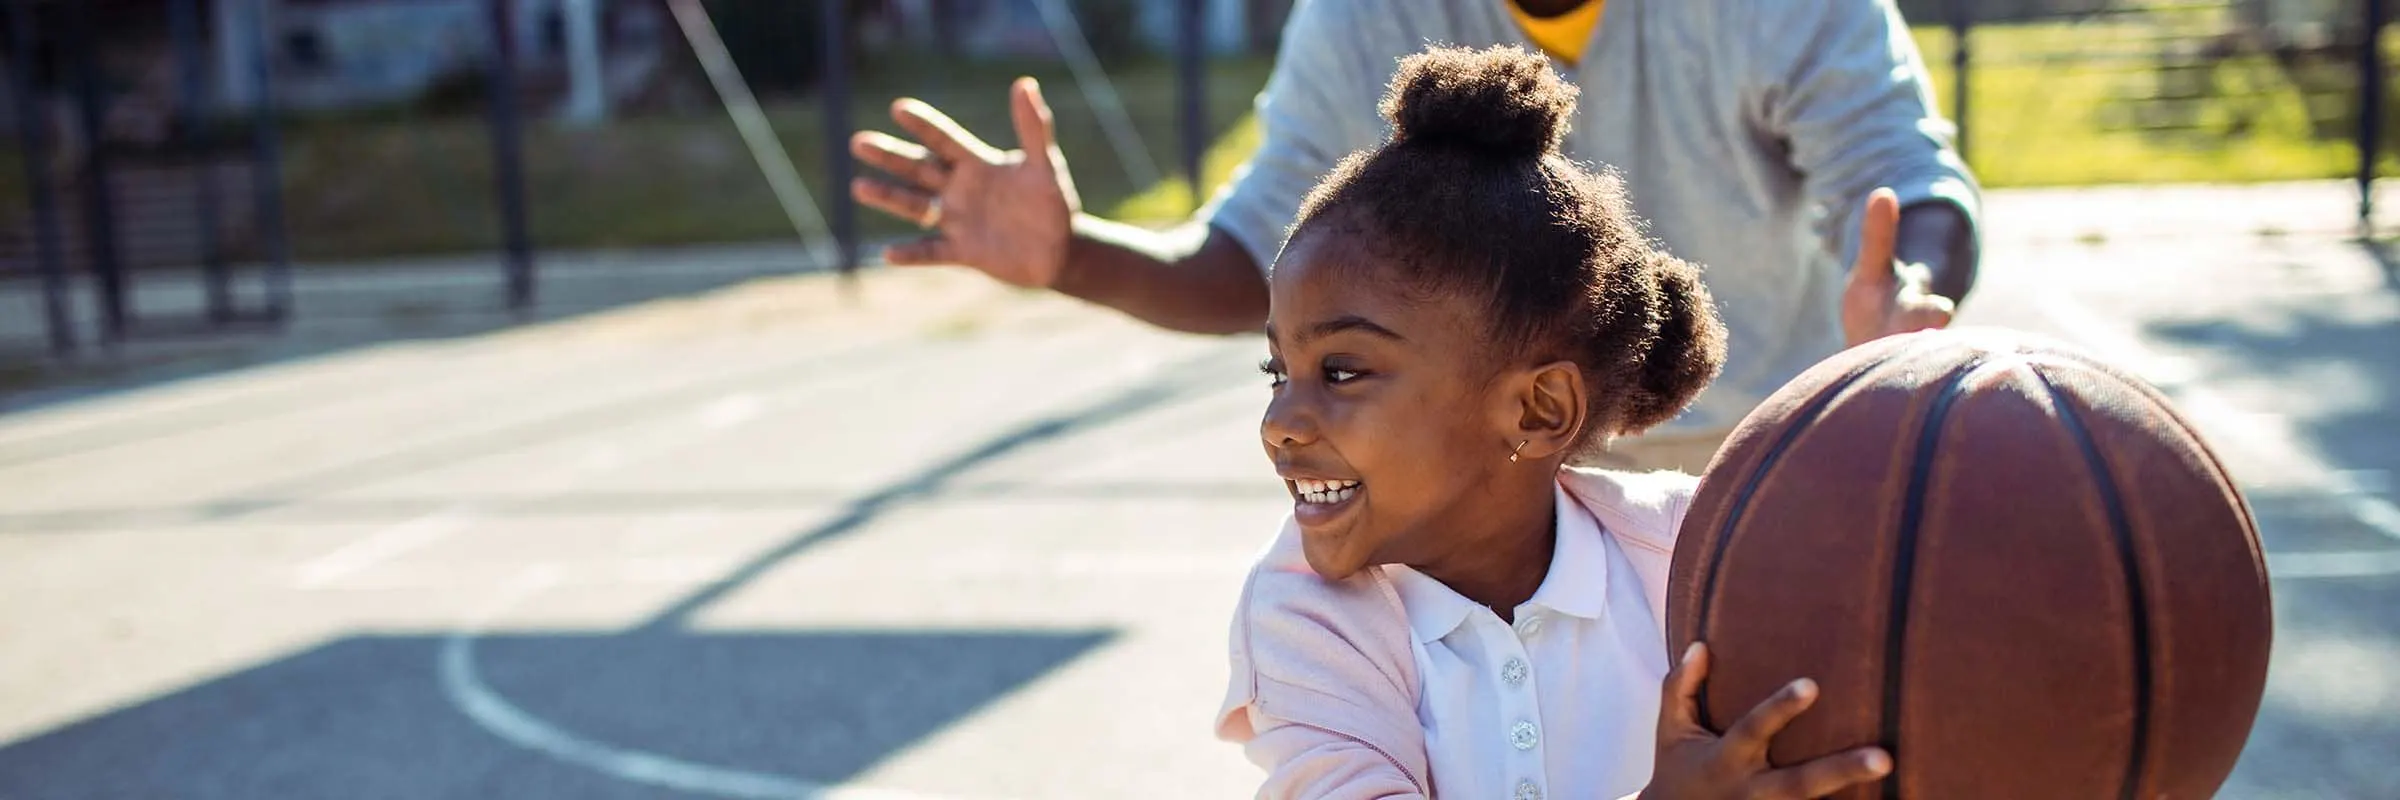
[(1562, 36)]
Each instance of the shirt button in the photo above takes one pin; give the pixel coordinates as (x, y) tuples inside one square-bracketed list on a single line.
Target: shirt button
[(1529, 625), (1524, 736), (1513, 672), (1527, 791)]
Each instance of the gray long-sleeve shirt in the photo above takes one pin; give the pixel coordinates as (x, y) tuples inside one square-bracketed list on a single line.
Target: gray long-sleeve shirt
[(1749, 132)]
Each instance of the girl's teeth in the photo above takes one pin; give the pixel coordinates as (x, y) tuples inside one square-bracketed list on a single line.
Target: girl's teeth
[(1327, 492)]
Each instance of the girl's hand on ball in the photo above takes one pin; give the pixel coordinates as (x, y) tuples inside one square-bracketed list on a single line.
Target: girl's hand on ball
[(1694, 764)]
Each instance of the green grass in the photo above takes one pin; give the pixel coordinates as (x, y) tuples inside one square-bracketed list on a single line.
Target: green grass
[(1171, 199), (2042, 114), (363, 188)]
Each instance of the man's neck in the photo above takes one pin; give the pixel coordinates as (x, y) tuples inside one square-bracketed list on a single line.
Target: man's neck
[(1544, 9)]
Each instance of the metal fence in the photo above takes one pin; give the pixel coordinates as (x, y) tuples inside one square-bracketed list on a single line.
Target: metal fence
[(194, 178), (183, 161)]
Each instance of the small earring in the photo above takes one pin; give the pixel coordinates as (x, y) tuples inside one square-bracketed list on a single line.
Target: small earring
[(1512, 454)]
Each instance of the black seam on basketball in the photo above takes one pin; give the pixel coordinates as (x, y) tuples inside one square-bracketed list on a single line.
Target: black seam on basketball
[(1904, 561), (1741, 502), (2137, 603), (2221, 477)]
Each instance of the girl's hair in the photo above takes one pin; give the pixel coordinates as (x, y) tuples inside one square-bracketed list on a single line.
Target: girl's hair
[(1470, 197)]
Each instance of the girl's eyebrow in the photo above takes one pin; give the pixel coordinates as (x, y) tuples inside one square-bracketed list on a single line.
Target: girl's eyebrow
[(1350, 322), (1345, 322)]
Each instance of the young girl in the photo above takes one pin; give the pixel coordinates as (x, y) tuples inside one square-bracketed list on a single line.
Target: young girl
[(1451, 611)]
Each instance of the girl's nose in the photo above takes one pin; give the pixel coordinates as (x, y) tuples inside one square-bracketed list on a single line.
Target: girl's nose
[(1288, 422)]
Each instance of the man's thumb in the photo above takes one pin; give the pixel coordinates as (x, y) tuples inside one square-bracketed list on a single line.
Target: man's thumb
[(1878, 229), (1032, 117)]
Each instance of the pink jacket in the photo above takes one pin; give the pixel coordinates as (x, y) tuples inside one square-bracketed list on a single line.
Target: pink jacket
[(1324, 687)]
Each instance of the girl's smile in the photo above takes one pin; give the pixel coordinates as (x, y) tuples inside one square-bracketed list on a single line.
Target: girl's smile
[(1317, 501)]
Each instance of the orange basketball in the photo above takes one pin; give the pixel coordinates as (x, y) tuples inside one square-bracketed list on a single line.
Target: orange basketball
[(2007, 562)]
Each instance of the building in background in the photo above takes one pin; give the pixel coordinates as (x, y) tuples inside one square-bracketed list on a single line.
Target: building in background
[(335, 54), (1116, 28)]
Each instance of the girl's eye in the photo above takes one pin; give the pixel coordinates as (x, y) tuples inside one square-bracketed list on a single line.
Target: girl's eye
[(1273, 369), (1339, 371)]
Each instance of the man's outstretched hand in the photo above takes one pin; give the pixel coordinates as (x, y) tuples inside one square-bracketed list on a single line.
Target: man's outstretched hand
[(1006, 213)]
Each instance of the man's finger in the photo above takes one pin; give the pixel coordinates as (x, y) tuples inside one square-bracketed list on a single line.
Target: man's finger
[(902, 158), (1931, 315), (1749, 737), (938, 131), (1032, 116), (905, 203), (1823, 776), (930, 250), (1679, 695), (1878, 230)]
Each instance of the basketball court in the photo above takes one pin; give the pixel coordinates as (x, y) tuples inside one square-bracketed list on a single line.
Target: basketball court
[(950, 540)]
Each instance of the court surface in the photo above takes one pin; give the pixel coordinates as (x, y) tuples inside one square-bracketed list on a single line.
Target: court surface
[(950, 541)]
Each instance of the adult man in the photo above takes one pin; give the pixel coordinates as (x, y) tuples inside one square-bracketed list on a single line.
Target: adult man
[(1772, 141)]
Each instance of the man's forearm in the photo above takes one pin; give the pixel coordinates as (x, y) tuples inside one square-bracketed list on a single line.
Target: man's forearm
[(1194, 280), (1937, 234)]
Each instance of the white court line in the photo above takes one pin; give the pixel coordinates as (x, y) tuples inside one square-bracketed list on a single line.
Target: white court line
[(730, 410), (2333, 565), (705, 420), (400, 539), (383, 545), (700, 570), (465, 689), (619, 575), (2369, 510)]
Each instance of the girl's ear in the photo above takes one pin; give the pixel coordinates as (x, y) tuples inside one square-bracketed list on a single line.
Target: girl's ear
[(1546, 410)]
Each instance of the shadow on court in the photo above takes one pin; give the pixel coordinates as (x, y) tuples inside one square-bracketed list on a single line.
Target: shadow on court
[(2340, 359), (2329, 366), (2387, 255), (380, 716)]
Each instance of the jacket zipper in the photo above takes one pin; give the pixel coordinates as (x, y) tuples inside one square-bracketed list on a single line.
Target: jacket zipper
[(1387, 756)]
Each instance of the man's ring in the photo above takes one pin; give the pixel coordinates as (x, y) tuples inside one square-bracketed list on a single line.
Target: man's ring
[(933, 214)]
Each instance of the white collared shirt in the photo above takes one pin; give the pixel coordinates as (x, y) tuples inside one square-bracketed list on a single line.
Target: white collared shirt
[(1564, 704)]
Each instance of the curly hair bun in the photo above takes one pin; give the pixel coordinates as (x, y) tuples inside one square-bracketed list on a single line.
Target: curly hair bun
[(1688, 351), (1502, 101)]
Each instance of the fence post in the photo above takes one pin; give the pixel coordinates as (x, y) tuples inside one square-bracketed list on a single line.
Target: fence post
[(1962, 20), (2370, 112), (508, 156), (838, 168), (183, 22), (266, 155), (33, 129), (99, 204), (1193, 87)]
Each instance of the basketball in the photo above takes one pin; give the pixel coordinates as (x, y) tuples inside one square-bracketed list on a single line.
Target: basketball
[(2007, 562)]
